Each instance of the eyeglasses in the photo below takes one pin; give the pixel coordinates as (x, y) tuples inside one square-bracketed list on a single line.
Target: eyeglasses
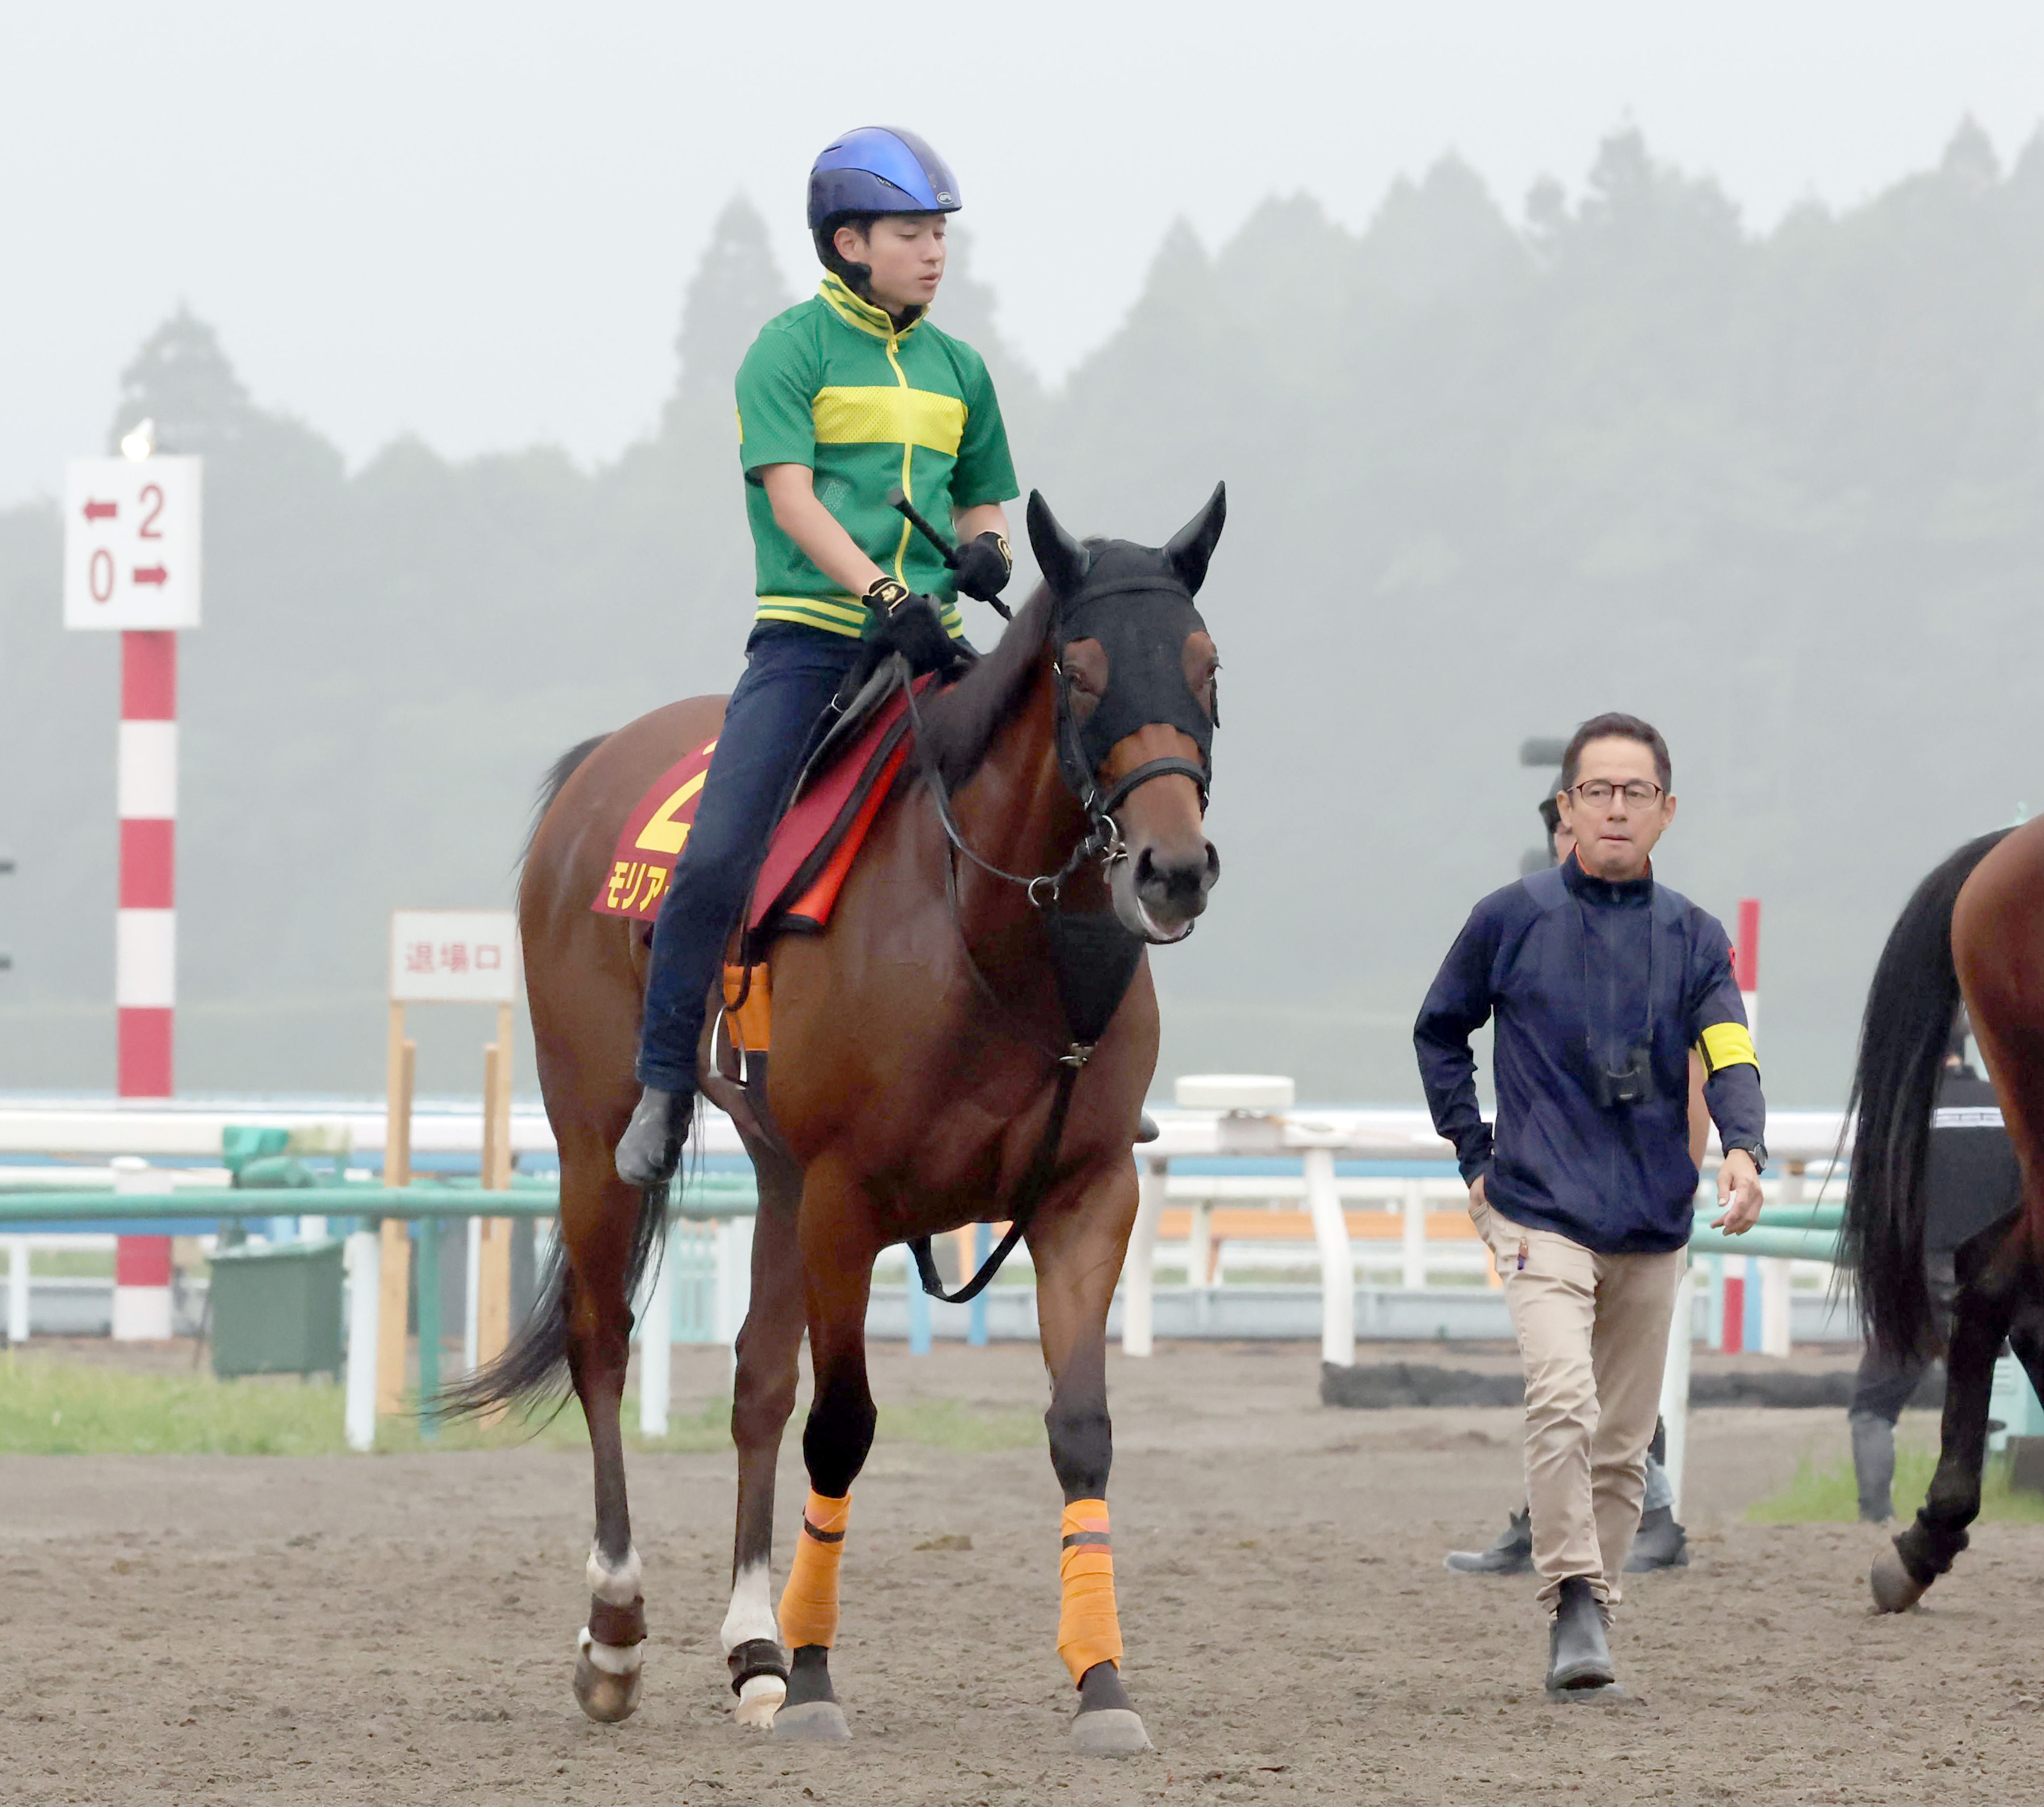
[(1598, 792)]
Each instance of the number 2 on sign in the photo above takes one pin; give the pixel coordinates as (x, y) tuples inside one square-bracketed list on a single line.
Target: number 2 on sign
[(149, 530)]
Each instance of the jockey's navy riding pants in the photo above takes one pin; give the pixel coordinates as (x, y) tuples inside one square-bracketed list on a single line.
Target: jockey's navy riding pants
[(791, 673)]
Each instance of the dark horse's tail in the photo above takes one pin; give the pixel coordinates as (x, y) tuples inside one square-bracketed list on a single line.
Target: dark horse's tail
[(1902, 1043), (534, 1366)]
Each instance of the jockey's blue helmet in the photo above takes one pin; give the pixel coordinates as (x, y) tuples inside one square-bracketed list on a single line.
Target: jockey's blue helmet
[(877, 169)]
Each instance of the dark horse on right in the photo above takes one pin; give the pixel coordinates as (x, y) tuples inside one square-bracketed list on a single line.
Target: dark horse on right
[(1974, 929)]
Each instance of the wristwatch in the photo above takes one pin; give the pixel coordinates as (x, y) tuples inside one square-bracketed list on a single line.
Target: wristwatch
[(1753, 1146)]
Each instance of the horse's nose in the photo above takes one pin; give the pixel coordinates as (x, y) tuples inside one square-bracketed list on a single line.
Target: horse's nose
[(1177, 884)]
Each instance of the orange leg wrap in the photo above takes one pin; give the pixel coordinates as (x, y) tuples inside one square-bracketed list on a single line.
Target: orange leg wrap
[(1088, 1627), (809, 1603)]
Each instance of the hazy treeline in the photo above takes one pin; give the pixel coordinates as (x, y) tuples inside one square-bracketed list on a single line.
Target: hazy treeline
[(1783, 493)]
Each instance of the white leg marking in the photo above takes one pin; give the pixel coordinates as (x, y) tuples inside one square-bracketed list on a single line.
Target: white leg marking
[(759, 1700), (752, 1614), (612, 1658), (616, 1586)]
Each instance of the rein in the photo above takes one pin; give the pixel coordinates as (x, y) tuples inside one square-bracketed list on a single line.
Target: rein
[(1093, 957)]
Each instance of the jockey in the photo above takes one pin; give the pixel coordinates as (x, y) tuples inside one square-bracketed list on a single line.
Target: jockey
[(842, 399)]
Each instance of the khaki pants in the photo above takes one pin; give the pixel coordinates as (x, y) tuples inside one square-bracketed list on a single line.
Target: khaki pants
[(1592, 1332)]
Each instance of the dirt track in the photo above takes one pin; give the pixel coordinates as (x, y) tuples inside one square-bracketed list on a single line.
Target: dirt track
[(400, 1629)]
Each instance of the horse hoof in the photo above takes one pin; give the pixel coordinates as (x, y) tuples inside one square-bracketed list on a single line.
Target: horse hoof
[(1894, 1588), (813, 1722), (605, 1698), (759, 1701), (1110, 1732)]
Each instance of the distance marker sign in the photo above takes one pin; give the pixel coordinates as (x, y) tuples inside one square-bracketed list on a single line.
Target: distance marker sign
[(132, 543)]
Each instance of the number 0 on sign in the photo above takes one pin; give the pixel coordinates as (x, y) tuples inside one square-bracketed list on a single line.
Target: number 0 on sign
[(132, 543)]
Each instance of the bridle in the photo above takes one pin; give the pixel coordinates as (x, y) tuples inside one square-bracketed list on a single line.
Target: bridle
[(1103, 840)]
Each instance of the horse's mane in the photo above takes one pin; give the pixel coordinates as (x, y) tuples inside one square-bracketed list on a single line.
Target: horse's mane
[(963, 721)]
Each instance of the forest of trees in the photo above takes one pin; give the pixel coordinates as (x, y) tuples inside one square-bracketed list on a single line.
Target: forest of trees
[(1782, 493)]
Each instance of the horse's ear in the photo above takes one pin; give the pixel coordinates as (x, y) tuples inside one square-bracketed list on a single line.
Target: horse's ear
[(1062, 560), (1193, 546)]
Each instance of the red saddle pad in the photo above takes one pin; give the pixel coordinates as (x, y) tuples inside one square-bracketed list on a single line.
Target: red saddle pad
[(812, 850)]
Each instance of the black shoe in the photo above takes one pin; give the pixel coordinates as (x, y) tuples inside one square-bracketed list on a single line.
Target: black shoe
[(1578, 1658), (1512, 1553), (650, 1147), (1661, 1543)]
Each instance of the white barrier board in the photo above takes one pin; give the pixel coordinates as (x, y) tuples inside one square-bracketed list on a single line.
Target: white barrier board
[(454, 956)]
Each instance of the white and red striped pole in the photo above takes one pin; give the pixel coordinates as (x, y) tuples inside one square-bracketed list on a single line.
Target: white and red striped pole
[(1737, 1307), (1746, 962), (145, 938)]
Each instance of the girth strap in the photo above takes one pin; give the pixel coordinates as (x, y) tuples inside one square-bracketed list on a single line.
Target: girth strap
[(1095, 959), (1035, 1184)]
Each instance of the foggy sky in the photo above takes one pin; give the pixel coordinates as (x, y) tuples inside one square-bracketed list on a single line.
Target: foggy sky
[(473, 222)]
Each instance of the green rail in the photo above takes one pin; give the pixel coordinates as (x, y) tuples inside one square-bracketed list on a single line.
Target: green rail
[(1784, 1244), (702, 1200)]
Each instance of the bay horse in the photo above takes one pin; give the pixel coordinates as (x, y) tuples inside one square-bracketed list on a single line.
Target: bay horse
[(1973, 929), (927, 1070)]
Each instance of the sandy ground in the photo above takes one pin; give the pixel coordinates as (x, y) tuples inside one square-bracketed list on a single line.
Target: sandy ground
[(399, 1629)]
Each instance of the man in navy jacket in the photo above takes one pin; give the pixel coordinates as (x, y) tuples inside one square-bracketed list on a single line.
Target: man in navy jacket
[(1600, 981)]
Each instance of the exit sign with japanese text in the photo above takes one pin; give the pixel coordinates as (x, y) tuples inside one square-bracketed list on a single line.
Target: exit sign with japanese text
[(132, 543), (454, 956)]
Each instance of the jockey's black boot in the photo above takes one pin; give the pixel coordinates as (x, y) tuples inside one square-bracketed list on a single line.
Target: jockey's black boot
[(1661, 1543), (650, 1147), (1578, 1658), (1512, 1553)]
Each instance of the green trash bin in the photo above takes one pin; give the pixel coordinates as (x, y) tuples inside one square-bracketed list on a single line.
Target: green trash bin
[(277, 1310)]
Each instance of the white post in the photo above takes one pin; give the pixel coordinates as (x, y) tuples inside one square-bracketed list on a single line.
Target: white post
[(732, 1296), (17, 1291), (1199, 1244), (656, 1339), (1138, 1299), (363, 1257), (1337, 1260), (1415, 1202), (141, 1264), (1675, 1383), (1774, 1299), (471, 1295)]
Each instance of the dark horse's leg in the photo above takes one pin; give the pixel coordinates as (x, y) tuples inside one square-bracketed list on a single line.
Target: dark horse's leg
[(763, 1395), (838, 1251), (1078, 1254), (600, 1219), (1996, 1282)]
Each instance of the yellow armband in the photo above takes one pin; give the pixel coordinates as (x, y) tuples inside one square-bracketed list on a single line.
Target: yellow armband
[(1726, 1044)]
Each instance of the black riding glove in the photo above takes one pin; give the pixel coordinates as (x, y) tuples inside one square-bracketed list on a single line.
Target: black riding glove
[(910, 625), (983, 567)]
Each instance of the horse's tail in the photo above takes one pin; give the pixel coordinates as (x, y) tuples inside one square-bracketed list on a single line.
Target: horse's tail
[(558, 774), (1902, 1043), (533, 1369)]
